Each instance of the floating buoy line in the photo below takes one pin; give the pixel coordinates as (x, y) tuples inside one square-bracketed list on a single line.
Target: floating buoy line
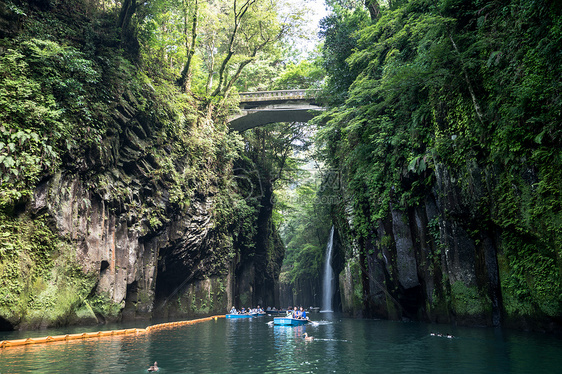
[(99, 334)]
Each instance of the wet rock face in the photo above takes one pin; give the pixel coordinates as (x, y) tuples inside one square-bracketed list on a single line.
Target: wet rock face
[(426, 262), (157, 265), (377, 270), (405, 256), (140, 215), (112, 203), (106, 244), (459, 250), (182, 246)]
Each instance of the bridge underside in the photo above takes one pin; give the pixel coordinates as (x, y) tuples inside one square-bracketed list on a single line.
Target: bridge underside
[(263, 117), (254, 116)]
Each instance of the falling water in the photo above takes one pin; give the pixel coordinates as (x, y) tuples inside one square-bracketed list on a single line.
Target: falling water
[(328, 281)]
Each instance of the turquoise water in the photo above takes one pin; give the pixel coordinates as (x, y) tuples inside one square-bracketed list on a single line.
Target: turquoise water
[(255, 346)]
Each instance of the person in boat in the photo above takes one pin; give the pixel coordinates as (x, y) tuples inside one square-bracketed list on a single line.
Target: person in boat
[(243, 310), (233, 310), (289, 312), (296, 313), (154, 367), (302, 313)]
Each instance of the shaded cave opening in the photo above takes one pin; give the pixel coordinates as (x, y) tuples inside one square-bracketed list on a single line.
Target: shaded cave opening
[(411, 300), (172, 276), (5, 325), (103, 266)]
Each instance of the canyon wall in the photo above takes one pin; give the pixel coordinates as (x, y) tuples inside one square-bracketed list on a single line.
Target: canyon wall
[(443, 260)]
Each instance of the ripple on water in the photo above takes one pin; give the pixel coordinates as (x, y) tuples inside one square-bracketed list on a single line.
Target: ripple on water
[(254, 346)]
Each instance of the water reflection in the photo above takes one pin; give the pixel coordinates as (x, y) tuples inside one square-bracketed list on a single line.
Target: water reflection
[(252, 346)]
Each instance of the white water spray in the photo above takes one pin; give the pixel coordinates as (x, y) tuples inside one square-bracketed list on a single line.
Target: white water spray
[(328, 281)]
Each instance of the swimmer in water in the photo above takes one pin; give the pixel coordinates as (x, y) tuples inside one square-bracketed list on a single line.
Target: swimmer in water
[(154, 367)]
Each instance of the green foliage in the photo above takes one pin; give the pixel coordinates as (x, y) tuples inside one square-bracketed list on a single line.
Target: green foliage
[(236, 42), (51, 105), (305, 227), (531, 279), (304, 75), (260, 74), (101, 304), (467, 301), (340, 39), (28, 113)]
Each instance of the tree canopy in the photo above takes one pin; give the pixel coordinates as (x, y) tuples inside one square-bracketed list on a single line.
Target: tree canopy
[(210, 43)]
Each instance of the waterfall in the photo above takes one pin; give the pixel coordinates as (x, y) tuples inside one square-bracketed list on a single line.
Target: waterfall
[(328, 281)]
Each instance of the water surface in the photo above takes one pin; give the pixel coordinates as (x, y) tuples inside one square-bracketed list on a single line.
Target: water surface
[(255, 346)]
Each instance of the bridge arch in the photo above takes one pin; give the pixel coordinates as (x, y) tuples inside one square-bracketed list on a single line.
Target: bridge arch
[(263, 107)]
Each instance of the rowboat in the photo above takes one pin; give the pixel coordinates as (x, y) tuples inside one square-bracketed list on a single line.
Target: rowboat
[(239, 315), (289, 321)]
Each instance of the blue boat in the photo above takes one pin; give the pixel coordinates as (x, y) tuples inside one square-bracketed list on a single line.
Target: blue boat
[(289, 321), (239, 316)]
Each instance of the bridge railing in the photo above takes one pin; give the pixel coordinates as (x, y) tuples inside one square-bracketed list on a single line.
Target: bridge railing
[(277, 95)]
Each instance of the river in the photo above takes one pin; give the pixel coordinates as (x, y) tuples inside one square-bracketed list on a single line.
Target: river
[(340, 345)]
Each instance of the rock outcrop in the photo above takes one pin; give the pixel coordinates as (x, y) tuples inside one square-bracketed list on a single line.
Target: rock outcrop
[(124, 254), (441, 261)]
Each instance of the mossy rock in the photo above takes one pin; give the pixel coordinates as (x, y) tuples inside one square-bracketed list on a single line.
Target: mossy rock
[(467, 302)]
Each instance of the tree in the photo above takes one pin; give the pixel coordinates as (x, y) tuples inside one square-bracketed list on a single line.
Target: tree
[(306, 74), (254, 27), (185, 77), (211, 42), (340, 39), (128, 32), (374, 8)]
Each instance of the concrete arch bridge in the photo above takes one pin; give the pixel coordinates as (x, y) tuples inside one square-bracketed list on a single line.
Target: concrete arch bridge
[(263, 107)]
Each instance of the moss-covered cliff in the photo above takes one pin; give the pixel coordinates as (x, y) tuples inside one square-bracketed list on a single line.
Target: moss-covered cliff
[(119, 194), (449, 145)]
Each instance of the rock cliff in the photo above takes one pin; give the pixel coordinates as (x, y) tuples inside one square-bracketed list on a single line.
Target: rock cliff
[(149, 222), (443, 260)]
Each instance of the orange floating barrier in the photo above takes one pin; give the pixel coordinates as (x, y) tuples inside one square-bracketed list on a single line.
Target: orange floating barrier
[(97, 334)]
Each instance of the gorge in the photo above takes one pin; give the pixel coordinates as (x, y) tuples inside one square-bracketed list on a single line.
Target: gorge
[(126, 195)]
